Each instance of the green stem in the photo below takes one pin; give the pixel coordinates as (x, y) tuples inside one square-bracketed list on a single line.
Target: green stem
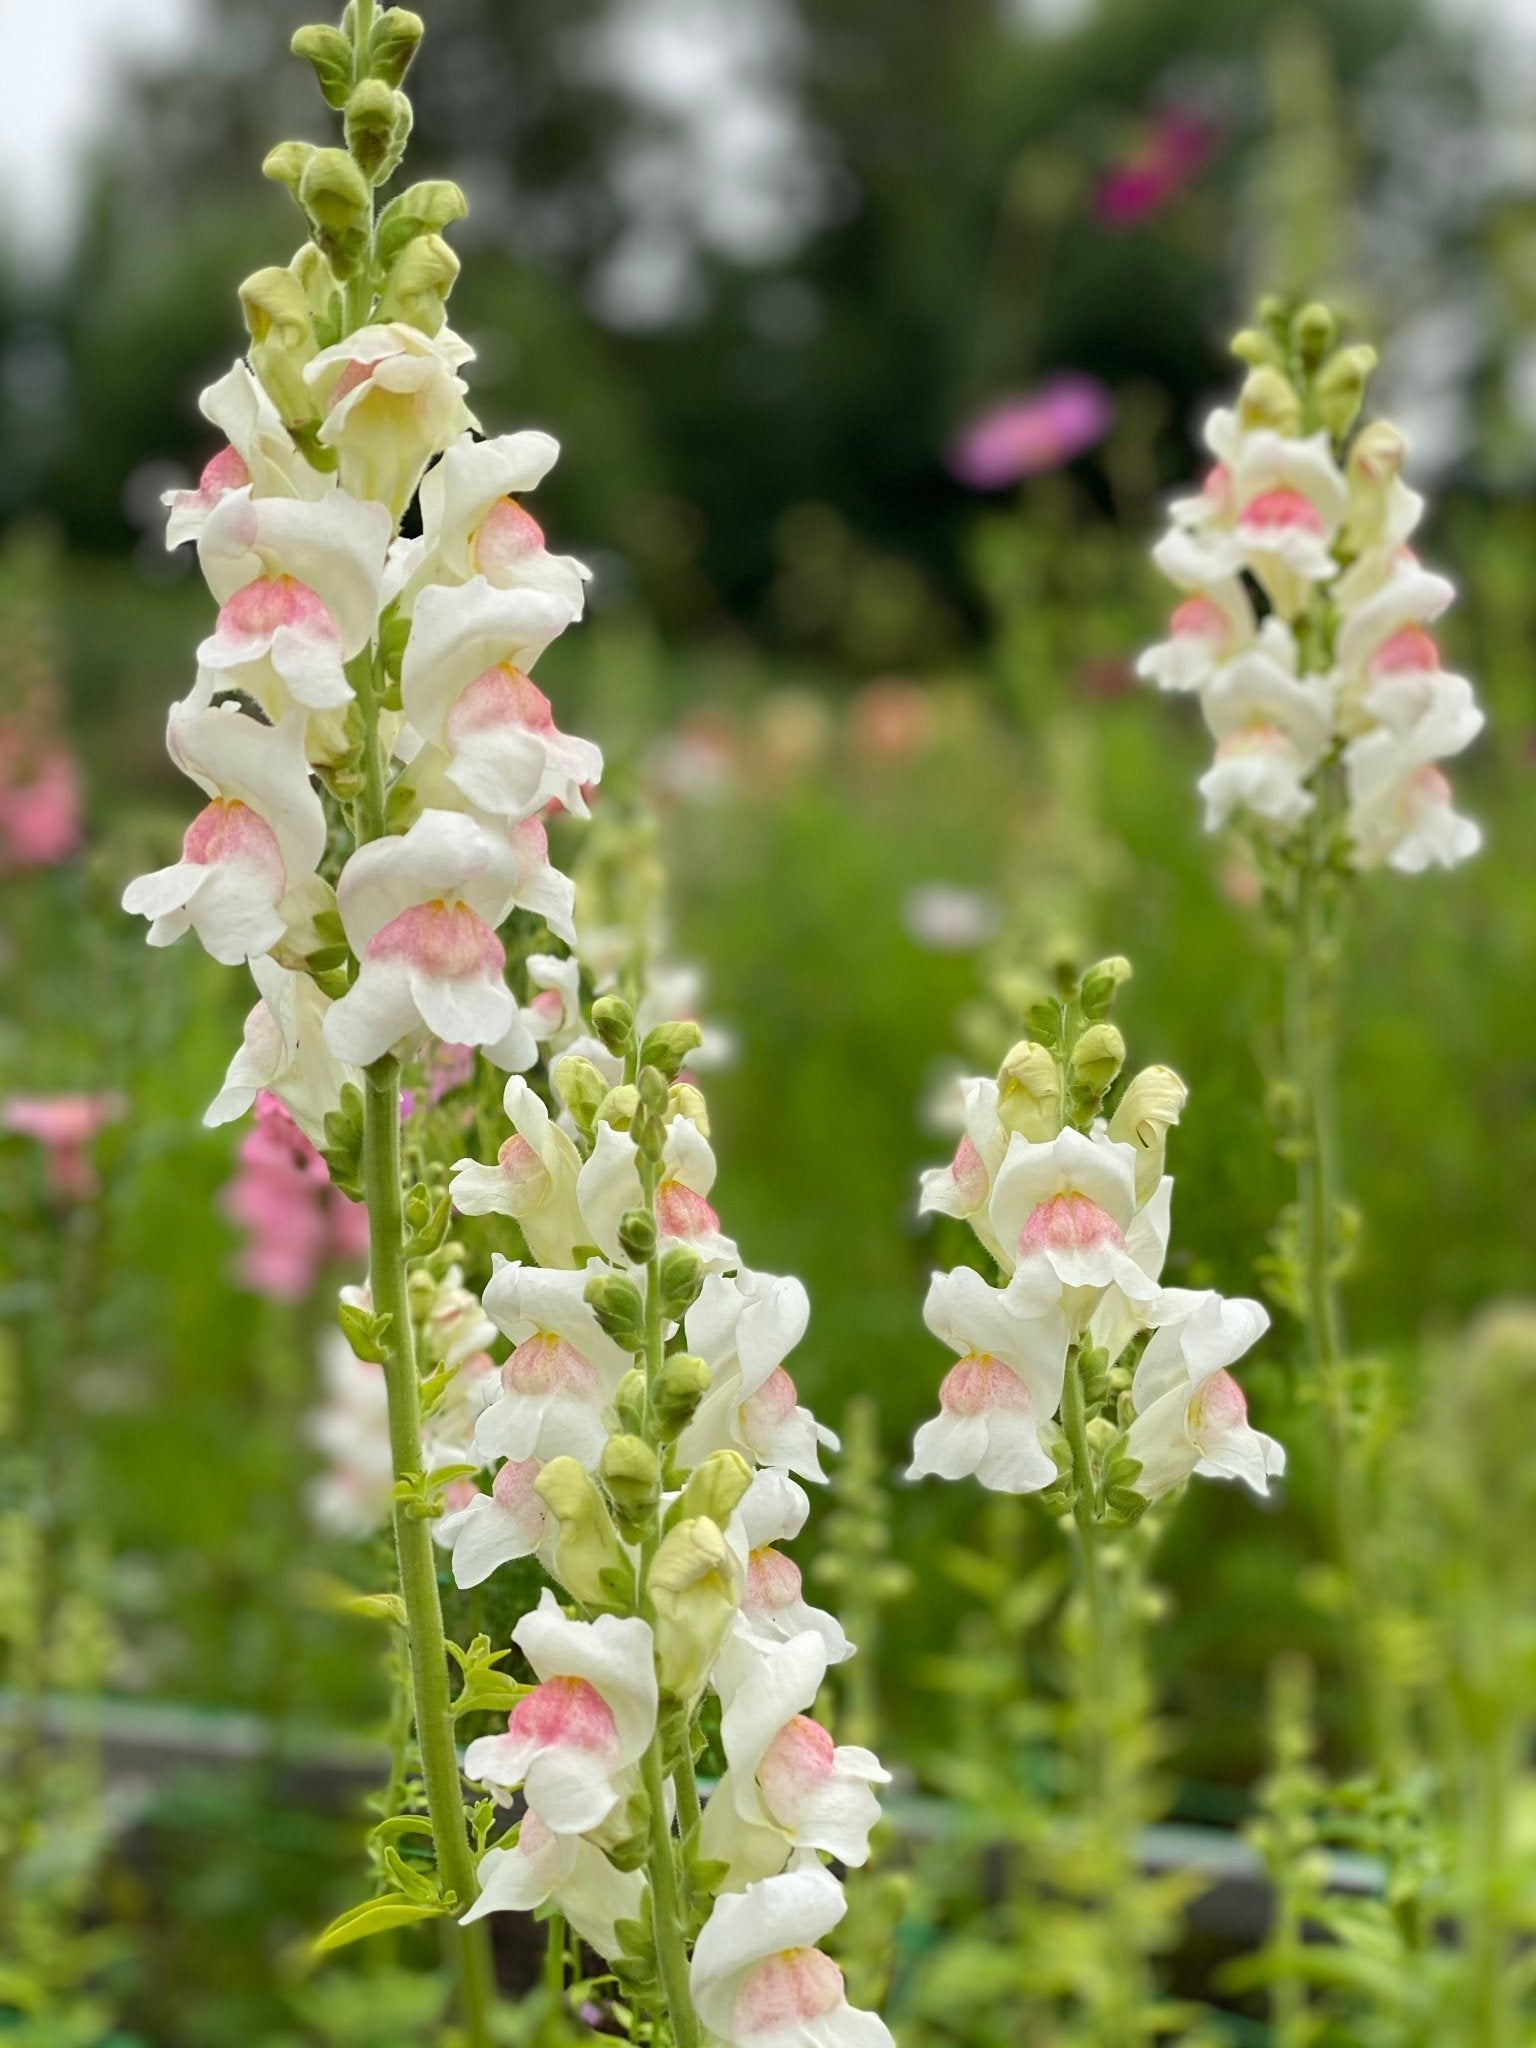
[(413, 1540), (554, 1956)]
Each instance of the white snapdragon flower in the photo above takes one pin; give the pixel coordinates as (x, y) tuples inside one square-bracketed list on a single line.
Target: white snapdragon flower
[(758, 1979), (1117, 1318), (786, 1785), (1069, 1202), (533, 1180), (1012, 1346), (283, 1051), (420, 912), (562, 1374), (609, 1185), (350, 1428), (1289, 500), (1271, 727), (259, 451), (393, 399), (1400, 804), (494, 1528), (472, 524), (1379, 598), (567, 1872), (573, 1742), (1211, 626), (773, 1604), (964, 1187), (298, 584), (258, 840), (1191, 1415), (743, 1326)]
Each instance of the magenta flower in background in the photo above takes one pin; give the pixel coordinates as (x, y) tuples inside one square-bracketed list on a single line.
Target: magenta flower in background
[(1036, 431), (64, 1125), (295, 1222), (1174, 150)]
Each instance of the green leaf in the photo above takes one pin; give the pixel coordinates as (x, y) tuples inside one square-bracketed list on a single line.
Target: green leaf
[(364, 1331), (378, 1916)]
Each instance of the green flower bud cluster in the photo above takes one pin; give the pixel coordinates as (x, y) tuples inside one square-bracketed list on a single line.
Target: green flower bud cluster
[(1068, 1073), (1299, 377)]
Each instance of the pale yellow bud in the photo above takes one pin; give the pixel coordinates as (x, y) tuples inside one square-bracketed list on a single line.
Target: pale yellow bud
[(1375, 462), (1029, 1092), (418, 286), (1150, 1106), (695, 1586), (716, 1488), (590, 1561), (1097, 1058), (684, 1100), (1269, 399), (282, 341)]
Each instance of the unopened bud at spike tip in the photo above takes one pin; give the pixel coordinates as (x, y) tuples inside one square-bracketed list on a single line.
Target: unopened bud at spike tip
[(395, 40), (1097, 1058), (614, 1022), (330, 52), (1269, 399)]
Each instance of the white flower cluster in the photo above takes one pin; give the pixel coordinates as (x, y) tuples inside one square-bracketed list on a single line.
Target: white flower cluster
[(320, 596), (1304, 629), (1076, 1222), (572, 1436)]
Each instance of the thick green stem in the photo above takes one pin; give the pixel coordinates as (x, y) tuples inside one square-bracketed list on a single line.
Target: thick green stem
[(413, 1540), (554, 1956)]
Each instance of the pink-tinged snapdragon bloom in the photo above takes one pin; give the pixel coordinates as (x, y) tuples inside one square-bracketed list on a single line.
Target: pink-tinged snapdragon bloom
[(299, 585), (65, 1126), (609, 1185), (773, 1604), (786, 1785), (1212, 625), (393, 399), (1271, 727), (1006, 1385), (758, 1978), (1190, 1413), (1175, 149), (1038, 430), (472, 524), (964, 1187), (533, 1180), (295, 1222), (283, 1050), (743, 1326), (259, 838), (39, 800), (572, 1744), (420, 912), (491, 1529), (1065, 1206), (563, 1372), (568, 1872), (258, 451)]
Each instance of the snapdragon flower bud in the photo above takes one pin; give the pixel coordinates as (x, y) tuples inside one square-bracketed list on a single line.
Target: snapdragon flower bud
[(682, 1276), (653, 1090), (619, 1107), (334, 194), (378, 121), (395, 40), (277, 315), (667, 1046), (1341, 387), (423, 209), (683, 1099), (581, 1088), (680, 1386), (616, 1303), (637, 1235), (695, 1585), (630, 1472), (1096, 1060), (614, 1022), (1147, 1110), (1269, 399), (330, 52), (1100, 984), (715, 1489), (1314, 331), (416, 290), (590, 1561), (1029, 1092)]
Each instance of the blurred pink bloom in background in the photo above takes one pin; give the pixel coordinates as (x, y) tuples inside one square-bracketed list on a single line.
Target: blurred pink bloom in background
[(1035, 431), (1175, 148), (281, 1196), (64, 1125), (39, 800)]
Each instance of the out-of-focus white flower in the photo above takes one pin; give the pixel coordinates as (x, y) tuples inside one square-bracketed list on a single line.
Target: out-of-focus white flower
[(1271, 729), (567, 1872), (947, 919)]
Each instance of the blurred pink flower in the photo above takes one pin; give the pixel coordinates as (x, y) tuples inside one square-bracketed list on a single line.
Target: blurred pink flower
[(449, 1067), (39, 801), (889, 720), (281, 1196), (1035, 431), (64, 1126), (1173, 151)]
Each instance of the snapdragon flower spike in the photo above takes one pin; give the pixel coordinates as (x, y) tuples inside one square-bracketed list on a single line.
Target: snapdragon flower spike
[(258, 451), (1006, 1385), (283, 1051), (758, 1978), (392, 399), (573, 1742), (420, 912), (566, 1872), (1191, 1415), (563, 1372), (298, 583), (260, 837), (1068, 1203), (533, 1180), (743, 1326), (786, 1785), (609, 1186), (773, 1604), (1365, 722)]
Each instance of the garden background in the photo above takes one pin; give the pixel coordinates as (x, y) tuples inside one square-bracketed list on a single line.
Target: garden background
[(756, 266)]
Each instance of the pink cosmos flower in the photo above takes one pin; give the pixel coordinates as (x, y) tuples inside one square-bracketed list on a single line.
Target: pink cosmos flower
[(295, 1221), (1032, 432), (64, 1126), (1172, 152)]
